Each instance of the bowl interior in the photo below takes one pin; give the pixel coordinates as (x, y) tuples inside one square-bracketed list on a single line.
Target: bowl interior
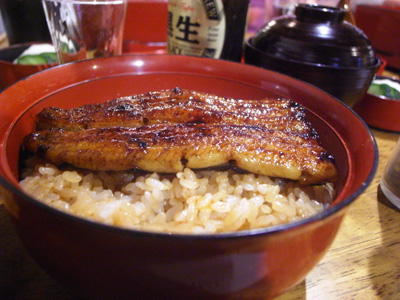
[(341, 132)]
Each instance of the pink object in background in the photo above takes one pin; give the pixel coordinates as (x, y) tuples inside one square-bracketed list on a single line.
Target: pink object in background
[(257, 15)]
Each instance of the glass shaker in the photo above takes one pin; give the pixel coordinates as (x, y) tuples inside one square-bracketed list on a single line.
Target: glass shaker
[(390, 183)]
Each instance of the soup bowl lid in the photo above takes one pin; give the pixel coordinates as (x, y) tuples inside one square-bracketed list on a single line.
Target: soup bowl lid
[(315, 35)]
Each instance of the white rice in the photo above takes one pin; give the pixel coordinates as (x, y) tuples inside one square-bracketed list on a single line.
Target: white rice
[(188, 202)]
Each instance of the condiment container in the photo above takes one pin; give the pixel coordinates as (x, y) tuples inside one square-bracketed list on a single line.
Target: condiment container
[(390, 182), (208, 28)]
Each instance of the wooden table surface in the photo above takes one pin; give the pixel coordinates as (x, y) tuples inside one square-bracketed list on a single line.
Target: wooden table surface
[(363, 262)]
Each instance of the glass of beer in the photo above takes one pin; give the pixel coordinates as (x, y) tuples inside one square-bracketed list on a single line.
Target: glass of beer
[(85, 29)]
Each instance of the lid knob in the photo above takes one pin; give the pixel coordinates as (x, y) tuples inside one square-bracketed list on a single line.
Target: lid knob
[(318, 13)]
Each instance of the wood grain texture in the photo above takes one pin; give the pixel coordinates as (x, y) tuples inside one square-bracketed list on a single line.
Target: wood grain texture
[(363, 262)]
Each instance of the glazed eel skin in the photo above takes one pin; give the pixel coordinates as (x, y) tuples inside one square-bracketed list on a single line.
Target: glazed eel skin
[(167, 131), (177, 106)]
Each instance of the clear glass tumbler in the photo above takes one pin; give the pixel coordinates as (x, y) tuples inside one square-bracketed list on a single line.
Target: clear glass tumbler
[(85, 29)]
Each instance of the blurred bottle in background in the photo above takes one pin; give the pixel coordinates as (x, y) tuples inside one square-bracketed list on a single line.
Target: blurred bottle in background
[(24, 21), (208, 28)]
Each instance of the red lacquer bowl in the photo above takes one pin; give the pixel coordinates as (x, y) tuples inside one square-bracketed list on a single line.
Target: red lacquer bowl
[(105, 262), (10, 72), (379, 111)]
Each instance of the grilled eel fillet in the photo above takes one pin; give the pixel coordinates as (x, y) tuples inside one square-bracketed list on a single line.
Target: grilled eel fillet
[(172, 144), (177, 106)]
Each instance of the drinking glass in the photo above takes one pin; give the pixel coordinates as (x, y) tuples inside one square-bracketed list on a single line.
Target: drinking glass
[(85, 29)]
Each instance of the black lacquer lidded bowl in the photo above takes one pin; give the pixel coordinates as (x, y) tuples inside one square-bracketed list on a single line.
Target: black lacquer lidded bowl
[(319, 47)]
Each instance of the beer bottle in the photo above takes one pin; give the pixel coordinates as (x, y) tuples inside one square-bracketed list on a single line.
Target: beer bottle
[(208, 28)]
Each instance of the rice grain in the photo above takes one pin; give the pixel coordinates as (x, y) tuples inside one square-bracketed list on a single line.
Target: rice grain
[(187, 202)]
